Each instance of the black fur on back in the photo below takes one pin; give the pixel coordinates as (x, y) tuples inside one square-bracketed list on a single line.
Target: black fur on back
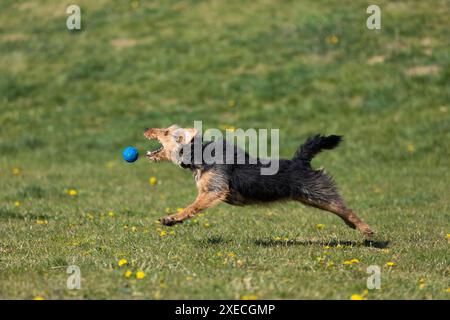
[(295, 178)]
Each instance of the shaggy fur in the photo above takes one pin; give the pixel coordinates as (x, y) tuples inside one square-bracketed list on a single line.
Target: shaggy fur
[(243, 184)]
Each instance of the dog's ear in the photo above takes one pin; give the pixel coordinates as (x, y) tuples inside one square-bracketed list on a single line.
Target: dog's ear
[(185, 136)]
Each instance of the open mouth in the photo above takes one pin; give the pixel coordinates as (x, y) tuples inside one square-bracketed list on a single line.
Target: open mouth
[(158, 147)]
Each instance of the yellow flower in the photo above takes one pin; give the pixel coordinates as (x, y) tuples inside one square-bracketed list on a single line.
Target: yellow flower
[(38, 298), (390, 264), (72, 192), (231, 254), (15, 171), (127, 274), (180, 209), (38, 221), (421, 283), (231, 129), (354, 261), (206, 225), (332, 39), (140, 275), (171, 232), (133, 229), (111, 214), (153, 181), (231, 103), (330, 264), (357, 297), (277, 238), (110, 164), (163, 233), (188, 278), (448, 236), (219, 254), (339, 246), (320, 226), (17, 203), (448, 290), (410, 148), (122, 262), (250, 297)]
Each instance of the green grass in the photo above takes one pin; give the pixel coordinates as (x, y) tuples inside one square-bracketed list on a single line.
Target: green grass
[(70, 101)]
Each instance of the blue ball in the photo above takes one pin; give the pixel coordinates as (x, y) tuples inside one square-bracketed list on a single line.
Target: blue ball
[(130, 154)]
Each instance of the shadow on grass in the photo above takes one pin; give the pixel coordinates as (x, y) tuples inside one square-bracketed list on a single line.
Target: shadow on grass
[(332, 243), (216, 240), (6, 214)]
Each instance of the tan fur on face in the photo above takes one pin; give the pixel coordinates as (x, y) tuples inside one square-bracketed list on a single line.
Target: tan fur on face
[(173, 139)]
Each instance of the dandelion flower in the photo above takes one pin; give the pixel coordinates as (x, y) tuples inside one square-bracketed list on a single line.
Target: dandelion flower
[(333, 39), (421, 283), (38, 298), (171, 232), (249, 297), (122, 262), (448, 236), (153, 181), (231, 254), (38, 221), (127, 274), (410, 148), (206, 225), (219, 254), (277, 238), (72, 192), (163, 233), (353, 261), (320, 226), (357, 297), (111, 214), (140, 275), (15, 171), (17, 204), (448, 290), (330, 264), (90, 216), (390, 264)]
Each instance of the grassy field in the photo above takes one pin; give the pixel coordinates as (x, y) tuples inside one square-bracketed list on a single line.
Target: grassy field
[(71, 101)]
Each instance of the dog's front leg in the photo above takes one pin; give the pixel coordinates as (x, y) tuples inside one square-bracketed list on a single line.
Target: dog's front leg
[(203, 201)]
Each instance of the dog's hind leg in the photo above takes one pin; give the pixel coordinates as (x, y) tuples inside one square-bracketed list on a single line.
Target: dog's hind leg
[(338, 207), (202, 202)]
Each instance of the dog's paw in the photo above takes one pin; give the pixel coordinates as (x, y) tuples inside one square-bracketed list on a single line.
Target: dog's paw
[(169, 221)]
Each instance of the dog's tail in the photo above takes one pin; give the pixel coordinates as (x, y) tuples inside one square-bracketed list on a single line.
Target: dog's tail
[(314, 145)]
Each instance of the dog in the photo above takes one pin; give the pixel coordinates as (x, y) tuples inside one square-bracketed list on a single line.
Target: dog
[(242, 184)]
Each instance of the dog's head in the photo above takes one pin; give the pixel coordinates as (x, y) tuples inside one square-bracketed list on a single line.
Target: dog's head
[(172, 140)]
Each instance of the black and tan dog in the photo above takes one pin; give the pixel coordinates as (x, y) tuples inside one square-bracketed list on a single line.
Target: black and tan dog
[(242, 184)]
